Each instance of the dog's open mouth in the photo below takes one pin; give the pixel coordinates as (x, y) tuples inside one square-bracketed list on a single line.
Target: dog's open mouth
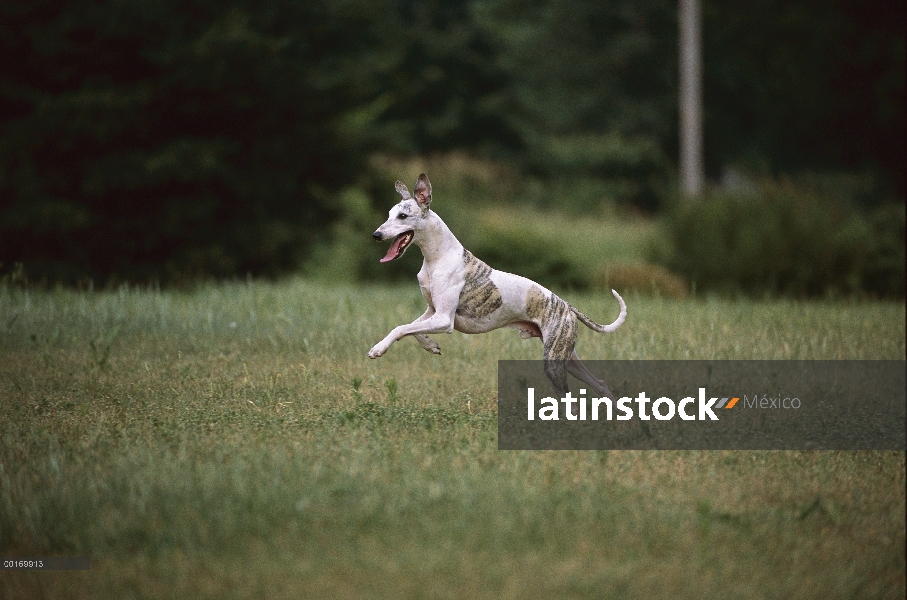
[(398, 247)]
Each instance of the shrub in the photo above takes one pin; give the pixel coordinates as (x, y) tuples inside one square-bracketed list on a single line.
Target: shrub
[(586, 170), (885, 271), (784, 239), (643, 279), (509, 249)]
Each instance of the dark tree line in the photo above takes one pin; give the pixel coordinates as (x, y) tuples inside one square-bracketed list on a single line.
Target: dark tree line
[(175, 139)]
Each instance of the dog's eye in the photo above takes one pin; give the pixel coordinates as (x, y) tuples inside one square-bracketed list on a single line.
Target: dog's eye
[(402, 216)]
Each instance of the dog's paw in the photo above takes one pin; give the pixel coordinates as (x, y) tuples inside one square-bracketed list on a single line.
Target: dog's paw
[(428, 344), (376, 352), (431, 346)]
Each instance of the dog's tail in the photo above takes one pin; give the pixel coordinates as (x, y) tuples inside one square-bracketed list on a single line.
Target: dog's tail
[(604, 328)]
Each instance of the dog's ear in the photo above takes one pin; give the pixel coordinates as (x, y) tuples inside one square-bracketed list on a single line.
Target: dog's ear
[(402, 190), (423, 192)]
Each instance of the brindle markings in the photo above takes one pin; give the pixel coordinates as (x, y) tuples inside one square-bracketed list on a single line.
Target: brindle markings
[(535, 304), (558, 325), (480, 296), (559, 329), (556, 321)]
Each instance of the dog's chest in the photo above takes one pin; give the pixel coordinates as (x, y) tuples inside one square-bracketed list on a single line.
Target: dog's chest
[(480, 296)]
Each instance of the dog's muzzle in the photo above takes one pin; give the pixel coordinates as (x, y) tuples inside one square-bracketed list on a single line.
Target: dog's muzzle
[(398, 246)]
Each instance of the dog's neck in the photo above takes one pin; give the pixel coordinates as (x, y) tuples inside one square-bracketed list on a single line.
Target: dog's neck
[(436, 240)]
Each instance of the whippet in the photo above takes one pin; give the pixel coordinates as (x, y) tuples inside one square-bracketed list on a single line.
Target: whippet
[(465, 294)]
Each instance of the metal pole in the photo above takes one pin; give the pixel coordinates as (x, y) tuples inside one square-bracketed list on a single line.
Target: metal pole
[(691, 170)]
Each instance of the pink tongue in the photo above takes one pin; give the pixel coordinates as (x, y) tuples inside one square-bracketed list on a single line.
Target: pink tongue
[(395, 247)]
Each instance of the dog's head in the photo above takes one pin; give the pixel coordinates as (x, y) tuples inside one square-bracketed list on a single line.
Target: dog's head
[(406, 219)]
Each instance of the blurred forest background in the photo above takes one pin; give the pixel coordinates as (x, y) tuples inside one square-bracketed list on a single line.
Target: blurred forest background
[(170, 141)]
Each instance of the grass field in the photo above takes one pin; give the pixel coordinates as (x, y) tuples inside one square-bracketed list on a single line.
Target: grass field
[(234, 442)]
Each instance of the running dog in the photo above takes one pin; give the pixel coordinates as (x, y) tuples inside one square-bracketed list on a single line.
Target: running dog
[(465, 294)]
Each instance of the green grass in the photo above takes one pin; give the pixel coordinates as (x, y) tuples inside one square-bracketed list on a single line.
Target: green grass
[(234, 442)]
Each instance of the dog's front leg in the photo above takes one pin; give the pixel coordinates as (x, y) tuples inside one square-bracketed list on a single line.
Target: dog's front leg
[(425, 341), (425, 287), (437, 323), (440, 322)]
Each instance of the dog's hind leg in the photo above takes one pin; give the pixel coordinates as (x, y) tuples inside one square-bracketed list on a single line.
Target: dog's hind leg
[(576, 368), (556, 370), (558, 339)]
